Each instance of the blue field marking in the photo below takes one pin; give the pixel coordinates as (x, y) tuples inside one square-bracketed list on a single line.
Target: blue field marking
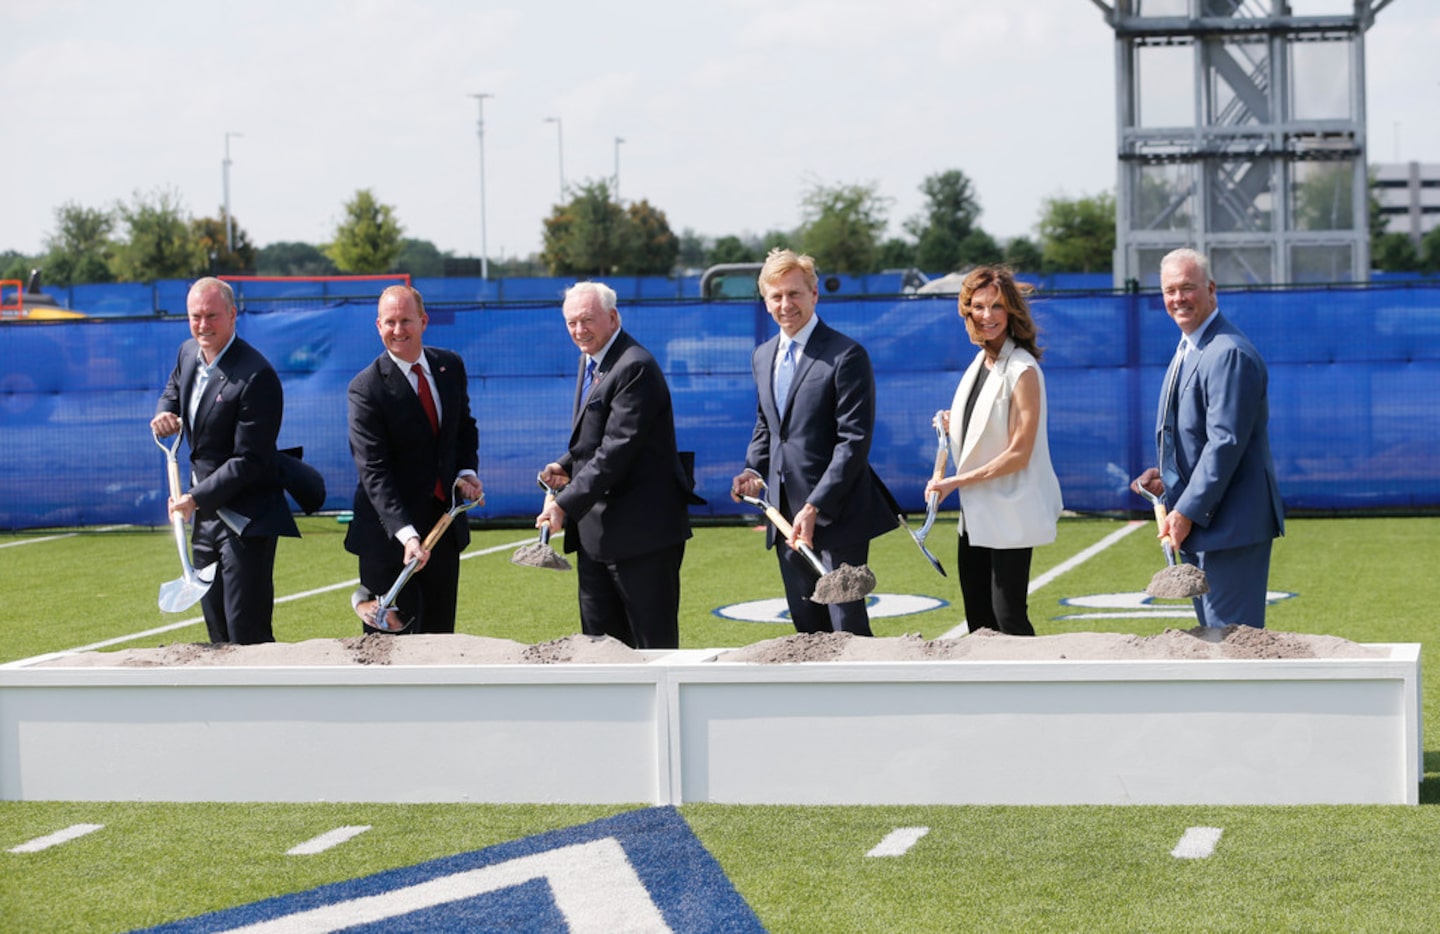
[(643, 870)]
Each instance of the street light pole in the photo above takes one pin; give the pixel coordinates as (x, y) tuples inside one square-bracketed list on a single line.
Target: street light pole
[(480, 131), (225, 177), (560, 140), (618, 141)]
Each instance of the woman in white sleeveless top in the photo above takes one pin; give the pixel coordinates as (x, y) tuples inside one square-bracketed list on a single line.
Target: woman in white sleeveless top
[(1000, 452)]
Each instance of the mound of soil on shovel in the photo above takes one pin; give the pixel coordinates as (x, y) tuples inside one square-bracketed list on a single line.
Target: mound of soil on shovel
[(844, 584)]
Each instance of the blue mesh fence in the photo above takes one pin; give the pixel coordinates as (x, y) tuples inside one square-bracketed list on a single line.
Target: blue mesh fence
[(1354, 394)]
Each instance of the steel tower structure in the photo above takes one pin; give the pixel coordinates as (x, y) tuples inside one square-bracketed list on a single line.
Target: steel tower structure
[(1241, 132)]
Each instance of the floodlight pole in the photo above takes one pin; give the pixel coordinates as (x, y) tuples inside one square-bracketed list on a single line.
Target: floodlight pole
[(618, 141), (480, 131), (560, 140), (225, 179)]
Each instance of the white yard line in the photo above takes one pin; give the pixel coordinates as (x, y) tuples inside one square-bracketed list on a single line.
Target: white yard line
[(1197, 843), (73, 832), (899, 841), (1069, 564), (36, 541), (327, 840)]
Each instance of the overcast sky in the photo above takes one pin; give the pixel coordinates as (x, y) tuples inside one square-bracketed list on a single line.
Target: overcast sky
[(729, 109)]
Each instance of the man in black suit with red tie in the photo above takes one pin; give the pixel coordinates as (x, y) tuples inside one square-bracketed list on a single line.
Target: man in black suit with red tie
[(626, 492), (412, 437), (227, 399)]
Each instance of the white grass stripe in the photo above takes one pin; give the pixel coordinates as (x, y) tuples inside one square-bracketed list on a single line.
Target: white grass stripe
[(1069, 564), (73, 832), (181, 624), (36, 541), (327, 840), (1197, 843), (899, 841)]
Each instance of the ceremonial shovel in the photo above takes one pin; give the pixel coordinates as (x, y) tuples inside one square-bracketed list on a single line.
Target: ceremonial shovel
[(383, 615), (932, 503), (838, 586), (186, 591), (1177, 580)]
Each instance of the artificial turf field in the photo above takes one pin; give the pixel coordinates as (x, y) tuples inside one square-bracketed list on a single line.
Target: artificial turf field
[(1353, 868)]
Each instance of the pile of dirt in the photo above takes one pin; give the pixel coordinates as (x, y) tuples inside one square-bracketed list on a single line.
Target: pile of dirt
[(370, 649), (844, 584), (1178, 582), (987, 644)]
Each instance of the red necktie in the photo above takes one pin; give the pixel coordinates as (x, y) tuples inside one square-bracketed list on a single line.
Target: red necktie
[(427, 402)]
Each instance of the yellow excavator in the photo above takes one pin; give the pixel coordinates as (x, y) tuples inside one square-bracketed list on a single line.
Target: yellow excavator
[(25, 302)]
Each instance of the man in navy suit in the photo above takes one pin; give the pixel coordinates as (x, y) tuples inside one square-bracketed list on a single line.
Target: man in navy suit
[(626, 492), (1216, 474), (227, 399), (810, 449), (412, 437)]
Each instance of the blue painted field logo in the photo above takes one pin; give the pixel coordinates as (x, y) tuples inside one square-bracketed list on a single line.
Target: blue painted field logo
[(1141, 605), (642, 871), (879, 605)]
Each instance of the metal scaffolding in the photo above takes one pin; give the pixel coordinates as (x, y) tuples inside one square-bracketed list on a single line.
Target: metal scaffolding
[(1241, 133)]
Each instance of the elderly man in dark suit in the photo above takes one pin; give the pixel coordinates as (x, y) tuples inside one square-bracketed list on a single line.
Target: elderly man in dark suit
[(227, 399), (626, 492), (811, 443), (1216, 473), (412, 437)]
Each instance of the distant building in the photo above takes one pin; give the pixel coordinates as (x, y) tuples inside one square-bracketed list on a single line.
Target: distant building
[(1409, 196)]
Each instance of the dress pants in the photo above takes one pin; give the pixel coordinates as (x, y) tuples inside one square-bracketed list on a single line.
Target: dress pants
[(995, 584), (429, 598), (1239, 579), (635, 600), (240, 604)]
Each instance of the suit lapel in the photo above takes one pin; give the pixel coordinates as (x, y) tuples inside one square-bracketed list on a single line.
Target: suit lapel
[(986, 400), (765, 381)]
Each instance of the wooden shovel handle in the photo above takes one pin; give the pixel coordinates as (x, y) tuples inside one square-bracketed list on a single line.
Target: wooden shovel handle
[(172, 468), (1160, 523)]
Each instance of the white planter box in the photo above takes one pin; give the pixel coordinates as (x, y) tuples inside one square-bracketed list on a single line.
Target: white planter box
[(683, 728)]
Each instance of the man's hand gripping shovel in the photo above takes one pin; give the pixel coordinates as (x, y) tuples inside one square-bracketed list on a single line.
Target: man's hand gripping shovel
[(181, 594), (381, 614)]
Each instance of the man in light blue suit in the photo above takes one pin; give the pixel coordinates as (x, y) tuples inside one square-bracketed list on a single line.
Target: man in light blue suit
[(1216, 475)]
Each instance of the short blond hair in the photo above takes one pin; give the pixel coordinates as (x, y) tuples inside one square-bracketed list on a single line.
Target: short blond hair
[(780, 261)]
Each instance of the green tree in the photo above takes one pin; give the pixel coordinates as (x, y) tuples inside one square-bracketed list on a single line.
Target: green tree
[(692, 249), (79, 250), (15, 265), (160, 240), (1394, 252), (1430, 251), (238, 258), (731, 249), (367, 241), (589, 236), (419, 258), (1022, 255), (897, 253), (980, 249), (841, 227), (1079, 235), (951, 210), (653, 246), (1323, 198), (289, 258)]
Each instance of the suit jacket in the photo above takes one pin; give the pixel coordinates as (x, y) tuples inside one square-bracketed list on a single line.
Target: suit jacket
[(232, 439), (1020, 509), (629, 492), (399, 458), (1212, 435), (819, 447)]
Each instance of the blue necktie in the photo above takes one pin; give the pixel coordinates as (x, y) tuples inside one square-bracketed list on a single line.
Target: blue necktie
[(589, 379), (783, 375)]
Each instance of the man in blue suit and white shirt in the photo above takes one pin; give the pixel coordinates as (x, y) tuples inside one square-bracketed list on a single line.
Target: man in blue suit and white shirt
[(811, 445), (1216, 474)]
